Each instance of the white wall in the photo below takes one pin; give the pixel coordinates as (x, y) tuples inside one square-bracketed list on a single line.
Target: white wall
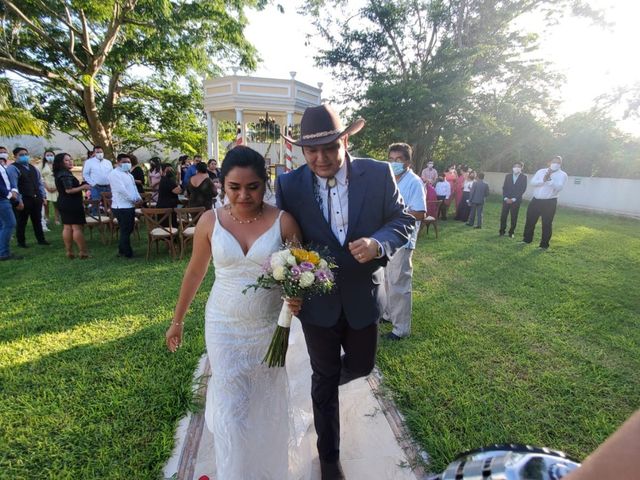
[(620, 196)]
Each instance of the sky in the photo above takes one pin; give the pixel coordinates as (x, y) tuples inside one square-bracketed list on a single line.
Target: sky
[(594, 60)]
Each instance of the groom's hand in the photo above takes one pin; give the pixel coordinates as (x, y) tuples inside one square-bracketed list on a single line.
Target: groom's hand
[(364, 249)]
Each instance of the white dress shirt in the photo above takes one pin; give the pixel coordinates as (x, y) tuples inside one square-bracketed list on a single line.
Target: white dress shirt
[(96, 172), (415, 198), (443, 189), (5, 179), (551, 188), (124, 193), (339, 202), (466, 186)]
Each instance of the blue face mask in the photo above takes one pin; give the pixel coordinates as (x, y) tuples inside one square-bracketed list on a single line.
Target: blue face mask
[(23, 159), (125, 167), (398, 168)]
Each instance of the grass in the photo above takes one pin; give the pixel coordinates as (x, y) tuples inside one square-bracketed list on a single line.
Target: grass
[(514, 344), (508, 344)]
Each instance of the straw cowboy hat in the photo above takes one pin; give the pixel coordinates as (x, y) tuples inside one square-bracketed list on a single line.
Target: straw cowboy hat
[(321, 125)]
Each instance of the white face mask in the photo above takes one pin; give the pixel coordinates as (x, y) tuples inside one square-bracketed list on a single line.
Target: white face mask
[(517, 170), (554, 166), (49, 158), (4, 156), (100, 156), (430, 165)]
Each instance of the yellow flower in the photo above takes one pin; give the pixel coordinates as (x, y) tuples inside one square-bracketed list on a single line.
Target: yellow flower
[(303, 255)]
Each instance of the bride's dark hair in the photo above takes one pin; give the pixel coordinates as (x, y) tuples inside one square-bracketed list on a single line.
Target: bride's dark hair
[(242, 156)]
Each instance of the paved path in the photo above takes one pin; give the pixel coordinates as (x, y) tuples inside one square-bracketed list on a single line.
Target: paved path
[(373, 439)]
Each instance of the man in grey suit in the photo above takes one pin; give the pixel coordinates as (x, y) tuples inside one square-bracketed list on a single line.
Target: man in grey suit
[(479, 191)]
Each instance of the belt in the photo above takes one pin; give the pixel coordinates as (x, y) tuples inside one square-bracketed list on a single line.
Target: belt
[(107, 185)]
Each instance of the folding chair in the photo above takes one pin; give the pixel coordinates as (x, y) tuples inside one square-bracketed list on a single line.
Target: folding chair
[(433, 207), (187, 219), (94, 218)]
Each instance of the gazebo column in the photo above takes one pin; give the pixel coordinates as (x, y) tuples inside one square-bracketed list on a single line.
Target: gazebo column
[(288, 154), (213, 145)]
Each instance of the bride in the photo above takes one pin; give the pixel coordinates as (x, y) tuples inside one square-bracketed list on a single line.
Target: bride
[(247, 403)]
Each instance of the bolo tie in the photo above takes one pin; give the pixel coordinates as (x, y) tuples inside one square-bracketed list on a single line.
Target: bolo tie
[(331, 183)]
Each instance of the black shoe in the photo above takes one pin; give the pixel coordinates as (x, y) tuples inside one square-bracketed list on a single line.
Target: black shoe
[(23, 245), (392, 336), (43, 242), (469, 224), (477, 227), (523, 242), (501, 234), (331, 471), (541, 247), (11, 257)]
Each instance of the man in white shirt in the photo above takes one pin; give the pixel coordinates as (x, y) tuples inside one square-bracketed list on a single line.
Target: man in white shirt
[(8, 194), (443, 192), (398, 274), (429, 174), (548, 183), (124, 198), (96, 172)]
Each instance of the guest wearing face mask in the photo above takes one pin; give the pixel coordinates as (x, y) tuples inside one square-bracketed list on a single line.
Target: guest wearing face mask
[(398, 274), (512, 190), (125, 197), (548, 183), (46, 170), (429, 174), (31, 196), (4, 156), (8, 195), (96, 172)]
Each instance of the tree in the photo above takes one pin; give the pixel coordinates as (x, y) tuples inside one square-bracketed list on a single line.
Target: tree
[(123, 72), (427, 70), (16, 120)]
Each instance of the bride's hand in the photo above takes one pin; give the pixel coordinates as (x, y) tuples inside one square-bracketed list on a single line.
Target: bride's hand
[(294, 304), (173, 337)]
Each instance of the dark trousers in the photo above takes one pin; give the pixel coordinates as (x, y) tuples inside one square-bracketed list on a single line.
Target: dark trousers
[(476, 209), (32, 210), (330, 370), (442, 211), (509, 208), (126, 221), (540, 208)]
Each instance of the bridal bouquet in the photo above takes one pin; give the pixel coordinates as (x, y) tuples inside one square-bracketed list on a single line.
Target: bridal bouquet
[(300, 273)]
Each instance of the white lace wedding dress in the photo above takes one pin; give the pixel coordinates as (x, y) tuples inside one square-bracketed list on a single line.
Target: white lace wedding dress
[(256, 432)]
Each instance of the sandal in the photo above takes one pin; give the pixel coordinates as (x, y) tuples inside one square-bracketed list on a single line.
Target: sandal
[(70, 255), (84, 256)]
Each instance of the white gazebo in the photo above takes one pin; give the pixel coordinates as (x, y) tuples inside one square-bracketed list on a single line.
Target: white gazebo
[(243, 100)]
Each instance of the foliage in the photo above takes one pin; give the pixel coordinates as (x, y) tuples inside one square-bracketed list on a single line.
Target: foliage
[(124, 73), (443, 71), (17, 120)]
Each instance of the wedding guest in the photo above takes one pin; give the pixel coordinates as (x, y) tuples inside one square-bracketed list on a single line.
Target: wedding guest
[(155, 174), (443, 192), (137, 172), (125, 197), (31, 196), (8, 195), (432, 198), (200, 188), (190, 172), (70, 205), (479, 192), (46, 171), (462, 212), (514, 186), (462, 173), (168, 192), (212, 169), (548, 183), (183, 164), (429, 175), (451, 176), (398, 274), (96, 172)]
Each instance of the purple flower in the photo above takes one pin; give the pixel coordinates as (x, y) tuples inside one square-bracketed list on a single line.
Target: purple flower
[(266, 266), (307, 266), (324, 276), (295, 272)]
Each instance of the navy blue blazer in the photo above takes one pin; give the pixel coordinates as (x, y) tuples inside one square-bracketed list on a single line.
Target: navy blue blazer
[(376, 210), (514, 190)]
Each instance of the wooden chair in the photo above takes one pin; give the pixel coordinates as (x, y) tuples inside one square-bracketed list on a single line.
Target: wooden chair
[(432, 206), (187, 218), (112, 220), (147, 197), (155, 219), (95, 218)]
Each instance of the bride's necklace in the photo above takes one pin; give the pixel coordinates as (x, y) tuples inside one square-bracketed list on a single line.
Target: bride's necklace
[(243, 222)]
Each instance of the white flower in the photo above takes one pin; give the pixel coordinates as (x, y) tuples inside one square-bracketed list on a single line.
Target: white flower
[(323, 264), (277, 260), (279, 273), (306, 279), (291, 260)]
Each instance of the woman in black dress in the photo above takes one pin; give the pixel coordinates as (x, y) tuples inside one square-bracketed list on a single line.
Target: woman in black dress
[(200, 188), (70, 205), (138, 173), (168, 191)]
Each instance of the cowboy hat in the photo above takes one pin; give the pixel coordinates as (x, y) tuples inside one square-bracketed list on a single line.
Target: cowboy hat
[(321, 125)]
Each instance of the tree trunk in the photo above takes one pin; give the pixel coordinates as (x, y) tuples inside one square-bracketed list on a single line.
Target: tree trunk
[(99, 133)]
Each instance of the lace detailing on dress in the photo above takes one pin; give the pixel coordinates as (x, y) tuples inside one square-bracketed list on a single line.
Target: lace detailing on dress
[(247, 403)]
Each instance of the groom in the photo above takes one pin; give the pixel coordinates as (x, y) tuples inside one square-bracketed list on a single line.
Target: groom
[(352, 207)]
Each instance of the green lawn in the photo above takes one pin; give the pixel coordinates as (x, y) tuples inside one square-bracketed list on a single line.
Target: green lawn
[(508, 344), (514, 344)]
